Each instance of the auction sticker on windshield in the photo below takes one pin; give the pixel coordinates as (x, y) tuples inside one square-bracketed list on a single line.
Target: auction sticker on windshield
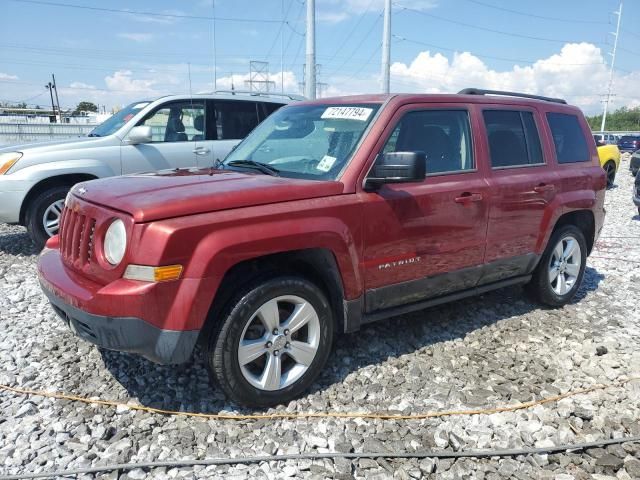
[(347, 113), (326, 163)]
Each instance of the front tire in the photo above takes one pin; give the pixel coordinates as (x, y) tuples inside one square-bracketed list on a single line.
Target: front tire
[(559, 273), (44, 214), (272, 341)]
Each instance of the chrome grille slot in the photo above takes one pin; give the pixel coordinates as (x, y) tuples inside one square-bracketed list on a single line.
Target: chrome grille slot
[(76, 237)]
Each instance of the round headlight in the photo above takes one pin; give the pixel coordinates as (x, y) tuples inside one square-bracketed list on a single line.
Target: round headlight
[(115, 242)]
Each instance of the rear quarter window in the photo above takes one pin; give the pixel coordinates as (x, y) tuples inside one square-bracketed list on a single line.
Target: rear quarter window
[(568, 138)]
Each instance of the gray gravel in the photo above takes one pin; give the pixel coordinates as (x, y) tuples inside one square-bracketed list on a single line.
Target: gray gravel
[(492, 350)]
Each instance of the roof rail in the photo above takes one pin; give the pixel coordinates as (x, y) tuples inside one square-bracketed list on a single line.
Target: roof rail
[(290, 96), (479, 91)]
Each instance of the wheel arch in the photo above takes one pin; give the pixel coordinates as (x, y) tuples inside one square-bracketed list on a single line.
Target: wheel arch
[(584, 220), (318, 265), (69, 179)]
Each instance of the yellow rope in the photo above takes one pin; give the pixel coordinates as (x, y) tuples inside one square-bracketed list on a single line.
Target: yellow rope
[(296, 415)]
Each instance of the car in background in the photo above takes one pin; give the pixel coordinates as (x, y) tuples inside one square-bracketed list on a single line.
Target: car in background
[(636, 193), (174, 131), (609, 156), (605, 139), (634, 163), (629, 143)]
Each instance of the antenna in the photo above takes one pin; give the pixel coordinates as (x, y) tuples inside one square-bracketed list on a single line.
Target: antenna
[(613, 61)]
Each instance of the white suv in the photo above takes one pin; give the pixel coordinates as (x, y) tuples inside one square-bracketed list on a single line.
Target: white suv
[(176, 131)]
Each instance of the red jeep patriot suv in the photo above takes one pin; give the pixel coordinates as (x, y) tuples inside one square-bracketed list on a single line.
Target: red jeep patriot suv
[(329, 215)]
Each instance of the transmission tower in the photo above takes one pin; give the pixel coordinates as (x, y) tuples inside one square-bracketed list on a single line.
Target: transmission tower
[(259, 77)]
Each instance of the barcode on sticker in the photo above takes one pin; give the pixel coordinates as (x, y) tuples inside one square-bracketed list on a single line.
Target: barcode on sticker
[(347, 113)]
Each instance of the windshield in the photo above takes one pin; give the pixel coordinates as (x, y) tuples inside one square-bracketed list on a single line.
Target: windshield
[(117, 120), (306, 141)]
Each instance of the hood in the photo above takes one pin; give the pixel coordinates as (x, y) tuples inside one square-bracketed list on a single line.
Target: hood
[(174, 193), (52, 146)]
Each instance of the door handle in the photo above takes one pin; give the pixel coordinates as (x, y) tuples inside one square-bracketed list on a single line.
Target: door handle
[(543, 187), (468, 197), (201, 151)]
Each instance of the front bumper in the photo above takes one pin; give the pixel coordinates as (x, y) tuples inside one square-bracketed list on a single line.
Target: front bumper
[(12, 193), (126, 334), (112, 316)]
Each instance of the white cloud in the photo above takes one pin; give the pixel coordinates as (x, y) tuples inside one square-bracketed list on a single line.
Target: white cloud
[(123, 81), (136, 37), (335, 11), (6, 76), (82, 86), (577, 73)]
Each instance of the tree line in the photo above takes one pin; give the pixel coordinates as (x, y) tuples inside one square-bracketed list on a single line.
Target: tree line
[(623, 119)]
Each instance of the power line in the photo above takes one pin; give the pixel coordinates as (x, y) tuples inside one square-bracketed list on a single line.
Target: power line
[(484, 29), (352, 31), (375, 23), (152, 14), (532, 15), (505, 59), (630, 32)]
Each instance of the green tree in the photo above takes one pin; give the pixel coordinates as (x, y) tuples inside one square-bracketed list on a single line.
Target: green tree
[(622, 119), (85, 107)]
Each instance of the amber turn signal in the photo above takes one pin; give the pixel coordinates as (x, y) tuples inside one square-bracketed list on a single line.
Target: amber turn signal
[(153, 274)]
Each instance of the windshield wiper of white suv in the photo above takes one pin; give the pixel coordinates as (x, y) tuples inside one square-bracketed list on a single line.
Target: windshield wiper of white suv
[(263, 167)]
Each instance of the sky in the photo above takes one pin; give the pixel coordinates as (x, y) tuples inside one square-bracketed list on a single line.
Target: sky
[(113, 53)]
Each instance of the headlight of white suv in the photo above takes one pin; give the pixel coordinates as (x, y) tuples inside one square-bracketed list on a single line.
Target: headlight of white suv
[(115, 242), (8, 160)]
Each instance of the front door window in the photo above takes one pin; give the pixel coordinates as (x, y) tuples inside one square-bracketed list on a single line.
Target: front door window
[(177, 122)]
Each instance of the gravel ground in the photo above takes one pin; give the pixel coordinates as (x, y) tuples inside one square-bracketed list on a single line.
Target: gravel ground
[(497, 349)]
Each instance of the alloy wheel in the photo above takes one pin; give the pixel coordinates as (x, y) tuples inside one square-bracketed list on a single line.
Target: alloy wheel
[(51, 217), (564, 265), (279, 343)]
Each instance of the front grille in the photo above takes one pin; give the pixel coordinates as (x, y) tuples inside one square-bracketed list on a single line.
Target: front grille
[(76, 237)]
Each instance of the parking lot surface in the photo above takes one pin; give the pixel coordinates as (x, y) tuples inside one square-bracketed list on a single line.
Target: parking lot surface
[(495, 350)]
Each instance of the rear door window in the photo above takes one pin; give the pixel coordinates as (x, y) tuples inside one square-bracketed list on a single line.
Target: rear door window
[(234, 119), (513, 138), (568, 138), (268, 108)]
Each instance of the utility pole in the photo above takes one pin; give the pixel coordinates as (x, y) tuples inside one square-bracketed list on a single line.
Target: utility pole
[(386, 47), (213, 37), (613, 61), (57, 100), (282, 47), (49, 86), (310, 69)]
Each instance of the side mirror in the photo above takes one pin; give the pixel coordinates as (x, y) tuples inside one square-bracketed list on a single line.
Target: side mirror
[(140, 134), (397, 167)]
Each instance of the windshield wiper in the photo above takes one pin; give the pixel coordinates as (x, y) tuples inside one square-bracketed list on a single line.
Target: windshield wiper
[(263, 167), (93, 135)]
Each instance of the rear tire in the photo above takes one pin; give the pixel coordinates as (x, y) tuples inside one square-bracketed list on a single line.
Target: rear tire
[(610, 170), (44, 213), (559, 273), (271, 341)]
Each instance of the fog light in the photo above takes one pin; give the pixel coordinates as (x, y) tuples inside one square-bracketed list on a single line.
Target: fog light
[(153, 274)]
